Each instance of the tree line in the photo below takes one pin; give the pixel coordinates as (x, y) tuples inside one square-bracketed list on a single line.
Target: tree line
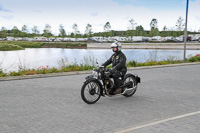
[(133, 29)]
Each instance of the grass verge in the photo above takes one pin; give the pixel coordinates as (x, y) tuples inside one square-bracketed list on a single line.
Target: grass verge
[(26, 44), (9, 47)]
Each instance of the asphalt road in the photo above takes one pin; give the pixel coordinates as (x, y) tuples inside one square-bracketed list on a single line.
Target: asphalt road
[(167, 101)]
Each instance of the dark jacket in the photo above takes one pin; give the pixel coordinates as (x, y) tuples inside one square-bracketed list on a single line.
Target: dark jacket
[(118, 61)]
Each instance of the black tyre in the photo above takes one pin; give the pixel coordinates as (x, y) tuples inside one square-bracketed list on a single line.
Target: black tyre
[(91, 92), (130, 78)]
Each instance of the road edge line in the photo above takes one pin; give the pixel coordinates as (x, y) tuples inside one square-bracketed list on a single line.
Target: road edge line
[(158, 122)]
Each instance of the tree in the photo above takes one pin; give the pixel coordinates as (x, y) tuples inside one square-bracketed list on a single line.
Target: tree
[(35, 30), (3, 32), (24, 31), (180, 24), (164, 28), (174, 34), (107, 27), (88, 30), (75, 28), (3, 28), (15, 31), (164, 32), (154, 27), (47, 31), (62, 31), (72, 35), (132, 24), (154, 24), (154, 32), (139, 30)]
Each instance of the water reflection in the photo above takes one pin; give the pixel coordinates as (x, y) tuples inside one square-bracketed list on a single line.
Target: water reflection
[(36, 57)]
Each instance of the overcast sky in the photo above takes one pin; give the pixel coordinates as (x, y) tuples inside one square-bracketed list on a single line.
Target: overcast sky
[(97, 13)]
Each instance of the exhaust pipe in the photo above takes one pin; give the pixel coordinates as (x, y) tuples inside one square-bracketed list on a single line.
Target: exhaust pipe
[(128, 85), (128, 90)]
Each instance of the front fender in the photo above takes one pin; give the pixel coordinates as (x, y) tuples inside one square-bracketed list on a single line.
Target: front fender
[(95, 80), (88, 77)]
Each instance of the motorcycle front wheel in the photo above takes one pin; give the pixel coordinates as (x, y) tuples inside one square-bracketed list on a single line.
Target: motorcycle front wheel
[(90, 92)]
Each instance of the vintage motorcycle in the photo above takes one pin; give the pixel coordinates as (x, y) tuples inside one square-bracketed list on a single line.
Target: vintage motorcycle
[(100, 83)]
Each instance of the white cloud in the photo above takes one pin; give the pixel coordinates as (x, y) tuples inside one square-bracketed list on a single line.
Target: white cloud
[(38, 11), (7, 17), (97, 13), (194, 15), (3, 9), (94, 14)]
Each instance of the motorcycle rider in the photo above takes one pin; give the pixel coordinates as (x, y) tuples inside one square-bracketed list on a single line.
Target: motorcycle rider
[(119, 69)]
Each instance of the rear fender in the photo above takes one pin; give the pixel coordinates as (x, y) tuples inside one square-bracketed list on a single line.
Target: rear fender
[(135, 76)]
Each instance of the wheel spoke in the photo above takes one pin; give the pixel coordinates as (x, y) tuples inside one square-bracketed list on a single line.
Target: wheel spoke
[(90, 86), (92, 91), (87, 88)]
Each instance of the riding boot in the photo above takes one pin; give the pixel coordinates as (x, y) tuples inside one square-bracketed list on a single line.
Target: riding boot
[(117, 91)]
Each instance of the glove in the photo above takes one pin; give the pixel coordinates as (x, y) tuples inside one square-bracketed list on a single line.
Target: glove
[(107, 72), (111, 71)]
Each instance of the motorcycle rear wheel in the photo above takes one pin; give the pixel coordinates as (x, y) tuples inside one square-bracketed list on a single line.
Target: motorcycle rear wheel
[(127, 79), (90, 92)]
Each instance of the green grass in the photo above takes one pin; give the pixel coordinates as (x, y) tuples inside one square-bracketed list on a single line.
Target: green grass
[(9, 47), (2, 74), (64, 45), (26, 44), (46, 70), (195, 58), (170, 60), (152, 63)]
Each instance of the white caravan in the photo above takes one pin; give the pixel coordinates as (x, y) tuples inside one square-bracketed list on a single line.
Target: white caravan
[(122, 39), (156, 38), (66, 39), (137, 38), (179, 39), (168, 38), (10, 38), (18, 39), (99, 39), (81, 39), (40, 38)]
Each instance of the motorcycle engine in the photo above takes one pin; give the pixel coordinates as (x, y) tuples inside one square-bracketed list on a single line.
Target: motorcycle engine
[(109, 84)]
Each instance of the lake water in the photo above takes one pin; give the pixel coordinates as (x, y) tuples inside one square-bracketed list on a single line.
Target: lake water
[(36, 57)]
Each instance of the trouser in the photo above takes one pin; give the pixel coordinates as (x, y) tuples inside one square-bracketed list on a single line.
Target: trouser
[(117, 76)]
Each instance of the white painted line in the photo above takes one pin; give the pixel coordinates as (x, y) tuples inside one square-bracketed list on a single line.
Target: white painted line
[(158, 122)]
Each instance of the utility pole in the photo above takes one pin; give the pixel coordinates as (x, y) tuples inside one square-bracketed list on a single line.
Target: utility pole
[(185, 38)]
